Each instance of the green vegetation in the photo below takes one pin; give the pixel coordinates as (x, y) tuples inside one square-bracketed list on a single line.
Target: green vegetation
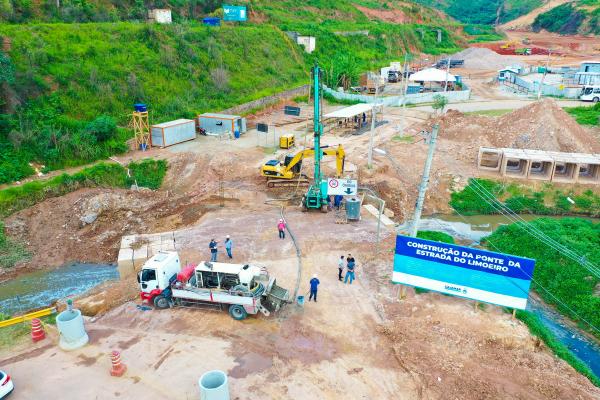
[(560, 350), (523, 200), (332, 100), (586, 115), (490, 113), (435, 236), (439, 102), (11, 251), (73, 83), (565, 19), (14, 334), (148, 173), (66, 88), (482, 33), (403, 139), (19, 11), (484, 11), (568, 282), (582, 16)]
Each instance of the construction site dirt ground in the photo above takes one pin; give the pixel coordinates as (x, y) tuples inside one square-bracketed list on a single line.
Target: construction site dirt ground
[(356, 342)]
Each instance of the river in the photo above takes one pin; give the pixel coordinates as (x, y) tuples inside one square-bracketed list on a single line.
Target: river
[(473, 229), (41, 288)]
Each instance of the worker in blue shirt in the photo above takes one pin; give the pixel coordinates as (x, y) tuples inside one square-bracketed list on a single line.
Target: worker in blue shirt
[(213, 250), (314, 283)]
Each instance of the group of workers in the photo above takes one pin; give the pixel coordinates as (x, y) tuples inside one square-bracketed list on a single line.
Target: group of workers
[(349, 264), (214, 251)]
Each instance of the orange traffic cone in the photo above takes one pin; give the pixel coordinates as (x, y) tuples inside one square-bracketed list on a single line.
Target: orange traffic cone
[(118, 369), (37, 331)]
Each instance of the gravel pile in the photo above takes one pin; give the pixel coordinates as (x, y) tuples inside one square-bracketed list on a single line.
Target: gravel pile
[(482, 58)]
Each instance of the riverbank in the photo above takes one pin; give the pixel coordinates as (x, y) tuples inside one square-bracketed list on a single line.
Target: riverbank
[(574, 342)]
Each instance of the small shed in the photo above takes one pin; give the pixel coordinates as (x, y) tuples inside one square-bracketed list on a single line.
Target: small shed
[(160, 15), (507, 74), (221, 124), (309, 43), (589, 66), (173, 132)]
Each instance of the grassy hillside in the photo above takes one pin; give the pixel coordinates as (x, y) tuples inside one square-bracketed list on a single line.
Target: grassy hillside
[(64, 88), (66, 77), (484, 11), (19, 11), (582, 16)]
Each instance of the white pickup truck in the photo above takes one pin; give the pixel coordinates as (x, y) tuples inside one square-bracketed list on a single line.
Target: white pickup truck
[(243, 288)]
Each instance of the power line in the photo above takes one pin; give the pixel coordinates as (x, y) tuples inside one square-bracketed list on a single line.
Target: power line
[(558, 301), (489, 198)]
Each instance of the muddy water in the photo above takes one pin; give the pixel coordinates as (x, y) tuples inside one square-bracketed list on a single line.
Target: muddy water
[(473, 229), (41, 288)]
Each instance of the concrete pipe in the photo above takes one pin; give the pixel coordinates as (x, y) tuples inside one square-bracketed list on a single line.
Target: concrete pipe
[(214, 386), (71, 329)]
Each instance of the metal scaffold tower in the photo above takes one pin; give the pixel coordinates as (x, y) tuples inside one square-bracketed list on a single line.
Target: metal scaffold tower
[(141, 129)]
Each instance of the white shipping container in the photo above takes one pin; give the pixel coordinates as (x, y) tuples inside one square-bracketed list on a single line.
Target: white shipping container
[(173, 132)]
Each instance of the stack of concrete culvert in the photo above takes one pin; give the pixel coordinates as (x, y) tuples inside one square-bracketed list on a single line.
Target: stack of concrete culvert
[(541, 165)]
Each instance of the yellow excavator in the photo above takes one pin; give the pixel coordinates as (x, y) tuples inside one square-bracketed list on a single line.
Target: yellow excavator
[(287, 173)]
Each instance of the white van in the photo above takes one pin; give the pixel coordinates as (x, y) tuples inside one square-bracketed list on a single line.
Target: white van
[(590, 93)]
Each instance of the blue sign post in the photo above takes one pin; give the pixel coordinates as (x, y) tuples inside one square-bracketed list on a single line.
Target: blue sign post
[(462, 271), (234, 13)]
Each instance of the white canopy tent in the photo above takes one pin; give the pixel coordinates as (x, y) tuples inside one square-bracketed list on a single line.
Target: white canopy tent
[(431, 75), (349, 112)]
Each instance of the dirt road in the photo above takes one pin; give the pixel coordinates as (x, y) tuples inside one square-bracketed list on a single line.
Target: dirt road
[(356, 342)]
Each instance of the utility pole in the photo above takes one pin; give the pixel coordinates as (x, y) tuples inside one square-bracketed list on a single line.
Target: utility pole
[(447, 72), (424, 182), (405, 89), (370, 156), (539, 95)]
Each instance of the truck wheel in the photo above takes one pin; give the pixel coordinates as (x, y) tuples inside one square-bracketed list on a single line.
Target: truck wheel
[(161, 302), (595, 100), (237, 312)]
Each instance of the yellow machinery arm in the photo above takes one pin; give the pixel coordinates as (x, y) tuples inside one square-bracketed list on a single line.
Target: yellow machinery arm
[(275, 169)]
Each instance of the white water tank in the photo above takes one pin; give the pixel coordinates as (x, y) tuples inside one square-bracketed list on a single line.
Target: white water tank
[(214, 385), (71, 329)]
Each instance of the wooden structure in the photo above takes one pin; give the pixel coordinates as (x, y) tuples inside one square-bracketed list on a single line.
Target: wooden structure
[(141, 129)]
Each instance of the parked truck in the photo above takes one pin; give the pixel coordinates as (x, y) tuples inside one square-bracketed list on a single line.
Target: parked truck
[(372, 83), (242, 288), (590, 93)]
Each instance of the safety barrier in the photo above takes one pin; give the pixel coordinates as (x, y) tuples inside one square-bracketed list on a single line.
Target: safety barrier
[(27, 317)]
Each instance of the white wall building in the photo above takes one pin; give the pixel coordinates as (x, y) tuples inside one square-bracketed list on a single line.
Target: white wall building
[(160, 16)]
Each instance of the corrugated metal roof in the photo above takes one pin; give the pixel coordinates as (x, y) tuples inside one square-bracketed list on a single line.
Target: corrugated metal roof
[(171, 123), (217, 115), (349, 112)]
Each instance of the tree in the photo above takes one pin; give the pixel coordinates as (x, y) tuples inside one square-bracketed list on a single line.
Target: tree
[(103, 128), (439, 102)]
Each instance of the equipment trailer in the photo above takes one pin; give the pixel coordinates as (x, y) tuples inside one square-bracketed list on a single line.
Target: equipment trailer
[(243, 288)]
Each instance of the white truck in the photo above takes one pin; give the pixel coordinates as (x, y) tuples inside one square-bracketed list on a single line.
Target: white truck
[(243, 288), (590, 93)]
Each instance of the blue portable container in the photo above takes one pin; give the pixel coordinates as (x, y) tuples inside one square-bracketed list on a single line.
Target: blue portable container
[(140, 107), (236, 134), (211, 21)]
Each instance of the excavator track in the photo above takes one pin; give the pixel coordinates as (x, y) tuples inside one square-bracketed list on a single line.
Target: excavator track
[(273, 183)]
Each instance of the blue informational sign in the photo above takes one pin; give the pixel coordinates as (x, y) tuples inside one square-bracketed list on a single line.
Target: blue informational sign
[(462, 271), (234, 13)]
